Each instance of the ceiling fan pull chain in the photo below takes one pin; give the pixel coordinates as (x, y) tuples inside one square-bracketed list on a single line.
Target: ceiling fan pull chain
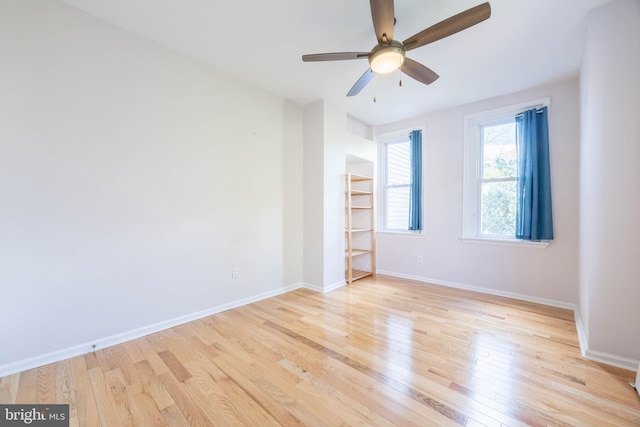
[(400, 82)]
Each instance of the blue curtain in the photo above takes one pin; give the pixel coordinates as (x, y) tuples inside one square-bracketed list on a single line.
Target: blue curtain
[(415, 194), (533, 210)]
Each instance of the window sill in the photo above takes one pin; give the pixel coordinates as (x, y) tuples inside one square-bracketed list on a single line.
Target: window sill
[(505, 242), (401, 233)]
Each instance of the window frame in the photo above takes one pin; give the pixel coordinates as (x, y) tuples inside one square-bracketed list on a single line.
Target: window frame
[(394, 137), (471, 209)]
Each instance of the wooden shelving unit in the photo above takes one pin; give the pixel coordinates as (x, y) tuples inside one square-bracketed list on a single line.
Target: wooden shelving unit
[(360, 230)]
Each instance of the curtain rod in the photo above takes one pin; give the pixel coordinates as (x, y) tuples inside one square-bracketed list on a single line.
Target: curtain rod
[(538, 111)]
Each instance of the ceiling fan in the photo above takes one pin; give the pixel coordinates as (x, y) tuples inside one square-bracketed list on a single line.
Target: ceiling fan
[(389, 54)]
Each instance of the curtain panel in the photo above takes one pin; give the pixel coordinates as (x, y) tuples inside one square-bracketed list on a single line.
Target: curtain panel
[(534, 220), (415, 194)]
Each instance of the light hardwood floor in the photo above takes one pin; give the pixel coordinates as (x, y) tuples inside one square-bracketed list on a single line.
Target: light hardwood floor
[(381, 352)]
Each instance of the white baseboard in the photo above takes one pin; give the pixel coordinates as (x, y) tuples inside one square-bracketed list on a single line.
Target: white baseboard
[(312, 287), (335, 286), (323, 290), (522, 297), (599, 356), (77, 350), (611, 359), (582, 336)]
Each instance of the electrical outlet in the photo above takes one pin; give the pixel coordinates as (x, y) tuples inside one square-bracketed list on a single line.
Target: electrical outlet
[(235, 271), (420, 259)]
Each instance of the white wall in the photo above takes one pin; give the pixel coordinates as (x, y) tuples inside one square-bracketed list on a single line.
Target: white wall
[(313, 189), (610, 184), (328, 142), (336, 137), (549, 275), (132, 180), (293, 191)]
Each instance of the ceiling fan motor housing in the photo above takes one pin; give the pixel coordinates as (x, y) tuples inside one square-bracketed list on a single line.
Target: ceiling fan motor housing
[(387, 57)]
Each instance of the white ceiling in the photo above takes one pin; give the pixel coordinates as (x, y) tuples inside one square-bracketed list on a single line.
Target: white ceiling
[(524, 44)]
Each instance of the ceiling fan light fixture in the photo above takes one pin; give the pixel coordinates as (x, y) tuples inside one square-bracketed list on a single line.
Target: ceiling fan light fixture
[(387, 59)]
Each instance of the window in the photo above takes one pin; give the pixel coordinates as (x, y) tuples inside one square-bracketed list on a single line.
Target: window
[(497, 180), (401, 182), (397, 184), (491, 182)]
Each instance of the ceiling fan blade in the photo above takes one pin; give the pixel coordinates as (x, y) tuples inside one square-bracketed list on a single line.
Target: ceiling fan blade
[(361, 83), (418, 71), (337, 56), (449, 26), (383, 18)]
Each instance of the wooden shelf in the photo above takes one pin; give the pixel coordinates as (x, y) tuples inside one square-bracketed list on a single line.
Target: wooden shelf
[(360, 228), (355, 178), (359, 274), (356, 252)]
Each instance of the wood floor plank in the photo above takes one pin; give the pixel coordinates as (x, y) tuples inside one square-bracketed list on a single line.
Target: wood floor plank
[(108, 411), (143, 408), (280, 388), (205, 382), (117, 357), (86, 410), (175, 366), (231, 396), (27, 387), (152, 386), (118, 386), (65, 392), (46, 385), (192, 412), (260, 391), (150, 354), (382, 351), (9, 388), (174, 417), (133, 351)]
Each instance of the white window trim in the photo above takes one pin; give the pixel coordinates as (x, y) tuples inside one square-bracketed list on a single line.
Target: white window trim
[(507, 242), (470, 202), (382, 139)]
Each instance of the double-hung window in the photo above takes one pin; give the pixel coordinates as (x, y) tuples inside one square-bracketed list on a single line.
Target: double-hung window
[(497, 178), (401, 182), (494, 180)]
